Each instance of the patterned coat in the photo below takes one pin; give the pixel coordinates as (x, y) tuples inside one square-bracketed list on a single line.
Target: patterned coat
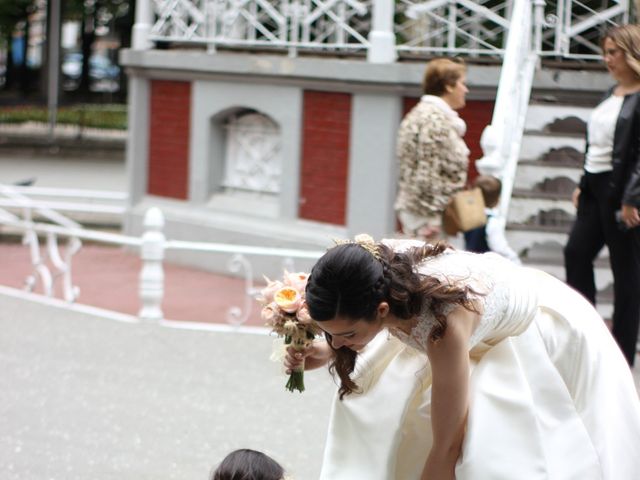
[(433, 161)]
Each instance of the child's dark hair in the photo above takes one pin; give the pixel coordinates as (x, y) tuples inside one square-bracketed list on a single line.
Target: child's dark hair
[(490, 187), (246, 464)]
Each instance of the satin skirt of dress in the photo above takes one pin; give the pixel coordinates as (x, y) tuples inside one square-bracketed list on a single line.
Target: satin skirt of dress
[(556, 401)]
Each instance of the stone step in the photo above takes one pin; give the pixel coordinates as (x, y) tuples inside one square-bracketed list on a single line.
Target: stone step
[(604, 297), (535, 145), (532, 175), (551, 253), (523, 240), (562, 157), (603, 277), (540, 228), (555, 134), (541, 211), (554, 118), (545, 246), (549, 189)]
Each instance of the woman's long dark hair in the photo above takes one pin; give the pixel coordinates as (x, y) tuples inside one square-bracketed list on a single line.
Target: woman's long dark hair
[(350, 281), (246, 464)]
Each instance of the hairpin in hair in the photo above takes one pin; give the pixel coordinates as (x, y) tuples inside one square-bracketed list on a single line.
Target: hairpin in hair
[(365, 241)]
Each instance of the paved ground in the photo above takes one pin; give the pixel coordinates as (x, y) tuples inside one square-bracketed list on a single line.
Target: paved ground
[(67, 172), (93, 396), (85, 396)]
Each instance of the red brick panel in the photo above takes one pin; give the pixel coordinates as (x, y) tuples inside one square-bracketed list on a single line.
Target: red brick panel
[(408, 103), (477, 114), (170, 111), (325, 156)]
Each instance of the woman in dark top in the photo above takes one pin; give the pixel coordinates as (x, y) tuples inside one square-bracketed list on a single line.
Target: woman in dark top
[(608, 197)]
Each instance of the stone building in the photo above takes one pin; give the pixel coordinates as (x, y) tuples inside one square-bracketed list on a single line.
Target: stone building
[(273, 123)]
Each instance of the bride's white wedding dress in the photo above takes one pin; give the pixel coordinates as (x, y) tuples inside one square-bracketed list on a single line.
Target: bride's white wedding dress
[(551, 395)]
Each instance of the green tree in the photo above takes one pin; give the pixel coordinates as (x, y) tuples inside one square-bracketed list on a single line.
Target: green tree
[(117, 15), (14, 13)]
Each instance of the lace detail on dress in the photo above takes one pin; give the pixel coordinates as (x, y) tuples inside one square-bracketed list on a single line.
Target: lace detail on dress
[(483, 276), (419, 335)]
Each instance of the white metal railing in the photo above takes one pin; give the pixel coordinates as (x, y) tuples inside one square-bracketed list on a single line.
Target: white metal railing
[(573, 28), (383, 28), (463, 27), (310, 24), (56, 265), (20, 199), (49, 202), (13, 196), (501, 140)]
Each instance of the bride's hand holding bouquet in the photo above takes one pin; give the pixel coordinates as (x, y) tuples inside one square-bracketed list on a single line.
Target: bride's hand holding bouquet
[(316, 355), (284, 310)]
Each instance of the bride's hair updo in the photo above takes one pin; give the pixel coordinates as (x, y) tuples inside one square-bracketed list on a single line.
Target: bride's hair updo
[(349, 281)]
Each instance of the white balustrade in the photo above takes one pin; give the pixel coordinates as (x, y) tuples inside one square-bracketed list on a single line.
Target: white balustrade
[(385, 28), (55, 266), (501, 140)]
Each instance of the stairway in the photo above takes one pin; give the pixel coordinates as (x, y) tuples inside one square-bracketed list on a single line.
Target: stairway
[(541, 213)]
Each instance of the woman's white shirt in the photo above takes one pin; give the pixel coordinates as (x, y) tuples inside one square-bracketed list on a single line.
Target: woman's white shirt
[(601, 130)]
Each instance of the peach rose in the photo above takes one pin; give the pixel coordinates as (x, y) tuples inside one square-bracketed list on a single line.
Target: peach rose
[(297, 280), (288, 299), (269, 314), (303, 315), (269, 291)]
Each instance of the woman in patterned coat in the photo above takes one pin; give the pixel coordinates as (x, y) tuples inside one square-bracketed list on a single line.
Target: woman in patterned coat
[(432, 155)]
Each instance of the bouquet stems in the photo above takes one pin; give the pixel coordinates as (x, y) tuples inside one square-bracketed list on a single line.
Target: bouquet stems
[(296, 378)]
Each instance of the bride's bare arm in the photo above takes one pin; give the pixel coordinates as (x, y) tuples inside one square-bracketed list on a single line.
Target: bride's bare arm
[(449, 358)]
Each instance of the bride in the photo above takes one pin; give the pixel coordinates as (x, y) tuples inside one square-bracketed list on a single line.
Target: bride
[(459, 365)]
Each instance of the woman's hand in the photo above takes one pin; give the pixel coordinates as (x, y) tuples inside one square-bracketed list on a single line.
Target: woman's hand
[(630, 216), (575, 196), (314, 356)]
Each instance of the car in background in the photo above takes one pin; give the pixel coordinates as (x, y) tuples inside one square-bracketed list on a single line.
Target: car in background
[(104, 75)]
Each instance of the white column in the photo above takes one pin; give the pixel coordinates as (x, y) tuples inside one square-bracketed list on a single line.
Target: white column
[(152, 274), (142, 26), (382, 41), (372, 164)]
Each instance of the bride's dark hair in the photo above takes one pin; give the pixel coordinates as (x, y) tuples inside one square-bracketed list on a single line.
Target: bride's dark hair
[(351, 282)]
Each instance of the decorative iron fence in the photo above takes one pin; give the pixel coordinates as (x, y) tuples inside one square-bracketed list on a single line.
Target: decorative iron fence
[(571, 28), (306, 24)]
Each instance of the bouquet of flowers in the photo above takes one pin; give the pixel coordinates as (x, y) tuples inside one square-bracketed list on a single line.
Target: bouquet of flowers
[(284, 310)]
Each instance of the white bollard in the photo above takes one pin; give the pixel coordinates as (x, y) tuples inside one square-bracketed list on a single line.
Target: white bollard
[(152, 274)]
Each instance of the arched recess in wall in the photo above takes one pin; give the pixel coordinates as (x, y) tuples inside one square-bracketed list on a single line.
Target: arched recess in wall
[(246, 162)]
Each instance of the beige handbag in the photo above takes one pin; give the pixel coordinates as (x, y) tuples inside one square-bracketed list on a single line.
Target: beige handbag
[(464, 212)]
